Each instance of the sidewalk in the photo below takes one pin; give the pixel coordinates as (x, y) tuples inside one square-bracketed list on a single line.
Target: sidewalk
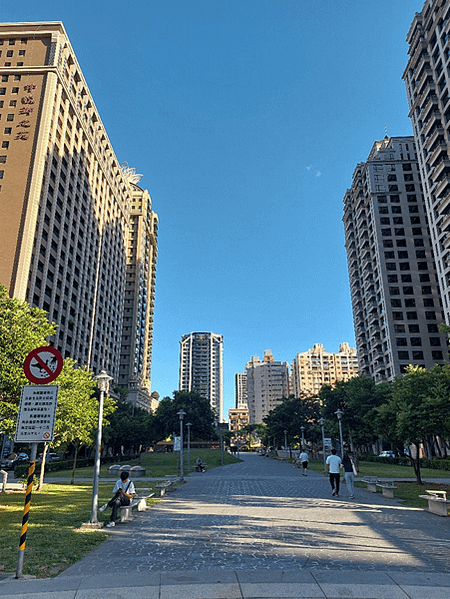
[(247, 584), (258, 529)]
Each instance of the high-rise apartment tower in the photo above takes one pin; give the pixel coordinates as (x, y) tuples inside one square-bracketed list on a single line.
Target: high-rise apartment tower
[(267, 384), (201, 368), (428, 88), (66, 204), (316, 367), (395, 298), (240, 382)]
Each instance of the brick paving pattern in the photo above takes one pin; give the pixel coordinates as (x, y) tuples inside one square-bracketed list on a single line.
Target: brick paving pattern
[(263, 514)]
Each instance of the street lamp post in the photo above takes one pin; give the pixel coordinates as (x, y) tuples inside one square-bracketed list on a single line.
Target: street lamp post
[(221, 446), (285, 445), (103, 380), (322, 424), (339, 414), (189, 424), (181, 414), (302, 428)]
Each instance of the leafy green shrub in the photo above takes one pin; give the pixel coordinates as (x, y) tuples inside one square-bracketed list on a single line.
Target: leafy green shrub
[(434, 464)]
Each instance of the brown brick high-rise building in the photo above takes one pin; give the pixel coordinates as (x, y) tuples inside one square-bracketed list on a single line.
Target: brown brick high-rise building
[(67, 220)]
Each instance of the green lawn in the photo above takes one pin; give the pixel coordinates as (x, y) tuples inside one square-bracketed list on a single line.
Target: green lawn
[(157, 465), (54, 540)]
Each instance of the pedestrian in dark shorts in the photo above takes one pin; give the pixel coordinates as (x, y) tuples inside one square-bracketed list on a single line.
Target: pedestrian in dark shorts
[(304, 460)]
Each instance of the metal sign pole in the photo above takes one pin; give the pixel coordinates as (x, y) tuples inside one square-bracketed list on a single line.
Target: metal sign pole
[(26, 510)]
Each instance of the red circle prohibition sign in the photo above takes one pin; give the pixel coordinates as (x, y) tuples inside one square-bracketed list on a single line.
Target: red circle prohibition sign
[(43, 365)]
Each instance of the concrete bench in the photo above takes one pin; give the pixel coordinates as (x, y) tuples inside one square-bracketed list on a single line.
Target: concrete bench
[(387, 489), (164, 487), (139, 502), (437, 502), (371, 482)]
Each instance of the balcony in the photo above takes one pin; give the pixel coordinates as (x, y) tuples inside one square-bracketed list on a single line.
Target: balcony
[(439, 131), (441, 148), (441, 169), (425, 81), (434, 121), (442, 186)]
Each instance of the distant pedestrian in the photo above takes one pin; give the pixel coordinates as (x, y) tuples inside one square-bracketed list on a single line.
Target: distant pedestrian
[(304, 459), (334, 463), (199, 465), (349, 475), (123, 492)]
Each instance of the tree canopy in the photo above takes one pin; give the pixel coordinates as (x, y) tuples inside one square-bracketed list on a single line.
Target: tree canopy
[(198, 412)]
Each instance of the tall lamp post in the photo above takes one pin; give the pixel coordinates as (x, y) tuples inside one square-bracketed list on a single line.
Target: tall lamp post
[(221, 446), (181, 414), (103, 379), (285, 445), (339, 414), (189, 424), (322, 424), (302, 428)]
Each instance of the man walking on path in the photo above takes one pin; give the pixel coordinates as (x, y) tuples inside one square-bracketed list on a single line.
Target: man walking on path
[(334, 463), (304, 460), (349, 475)]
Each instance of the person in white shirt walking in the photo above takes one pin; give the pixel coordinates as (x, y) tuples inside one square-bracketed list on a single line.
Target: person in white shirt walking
[(334, 464), (304, 461)]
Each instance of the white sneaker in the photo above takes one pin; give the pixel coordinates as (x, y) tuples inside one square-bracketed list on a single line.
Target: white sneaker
[(110, 524), (103, 508)]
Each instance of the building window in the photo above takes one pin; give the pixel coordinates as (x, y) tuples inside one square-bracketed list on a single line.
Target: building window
[(1, 174), (386, 232), (428, 302), (389, 255), (403, 255), (5, 144), (404, 266), (406, 278), (416, 341), (426, 289), (399, 328), (5, 78), (435, 341), (388, 243), (391, 266), (417, 355), (413, 328), (401, 342), (394, 290), (424, 278), (432, 328), (411, 315), (10, 117), (3, 159), (397, 315), (430, 315), (2, 91), (403, 355), (436, 355), (396, 303), (399, 231)]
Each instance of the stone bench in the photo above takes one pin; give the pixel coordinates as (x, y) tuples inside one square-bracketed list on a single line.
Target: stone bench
[(437, 502), (164, 487), (139, 502), (387, 489), (371, 482)]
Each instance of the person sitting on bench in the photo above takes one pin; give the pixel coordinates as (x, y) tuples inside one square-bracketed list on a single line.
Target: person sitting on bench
[(123, 493), (199, 467)]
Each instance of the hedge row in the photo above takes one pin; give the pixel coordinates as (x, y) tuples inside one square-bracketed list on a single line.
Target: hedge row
[(21, 470), (435, 464)]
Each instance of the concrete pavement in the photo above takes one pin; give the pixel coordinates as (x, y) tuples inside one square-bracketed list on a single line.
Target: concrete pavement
[(261, 529)]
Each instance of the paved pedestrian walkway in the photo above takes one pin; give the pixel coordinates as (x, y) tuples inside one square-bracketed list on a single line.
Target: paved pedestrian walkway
[(259, 529)]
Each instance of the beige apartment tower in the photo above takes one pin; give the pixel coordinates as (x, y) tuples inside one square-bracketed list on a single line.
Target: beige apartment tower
[(395, 297), (267, 384), (428, 90), (316, 367), (66, 204)]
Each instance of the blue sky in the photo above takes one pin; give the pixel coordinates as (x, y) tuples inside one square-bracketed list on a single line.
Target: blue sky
[(247, 119)]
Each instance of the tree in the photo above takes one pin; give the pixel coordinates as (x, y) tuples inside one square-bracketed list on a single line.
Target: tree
[(129, 427), (290, 415), (22, 329), (358, 398), (198, 411)]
